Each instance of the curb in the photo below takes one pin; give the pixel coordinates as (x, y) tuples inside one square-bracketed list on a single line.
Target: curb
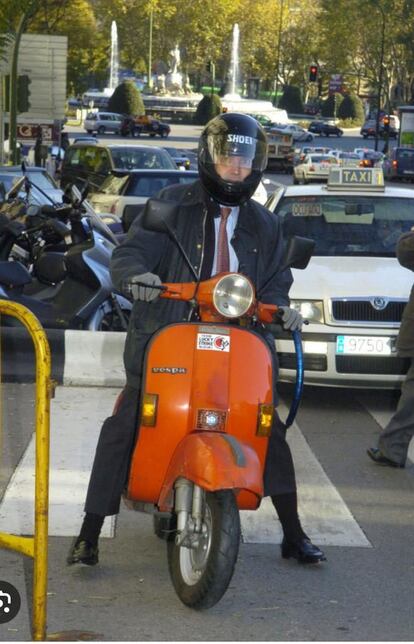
[(93, 358)]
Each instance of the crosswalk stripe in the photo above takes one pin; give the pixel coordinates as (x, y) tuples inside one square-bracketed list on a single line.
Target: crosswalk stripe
[(76, 419), (77, 414), (324, 514)]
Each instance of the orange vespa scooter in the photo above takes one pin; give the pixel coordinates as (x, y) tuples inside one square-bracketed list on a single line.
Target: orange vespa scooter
[(206, 416)]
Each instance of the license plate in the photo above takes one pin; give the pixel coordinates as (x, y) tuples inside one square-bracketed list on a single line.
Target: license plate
[(408, 171), (363, 345)]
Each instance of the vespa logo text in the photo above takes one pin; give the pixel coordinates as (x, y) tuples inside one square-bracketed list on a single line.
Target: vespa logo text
[(213, 342), (240, 138), (172, 370)]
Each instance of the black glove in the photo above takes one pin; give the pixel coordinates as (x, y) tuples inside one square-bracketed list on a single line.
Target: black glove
[(143, 290), (291, 319)]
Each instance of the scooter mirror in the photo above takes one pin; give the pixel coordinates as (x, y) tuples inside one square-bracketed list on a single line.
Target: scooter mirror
[(159, 216), (298, 253)]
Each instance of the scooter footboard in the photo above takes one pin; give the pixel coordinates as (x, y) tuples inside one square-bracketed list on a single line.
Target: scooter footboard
[(215, 461)]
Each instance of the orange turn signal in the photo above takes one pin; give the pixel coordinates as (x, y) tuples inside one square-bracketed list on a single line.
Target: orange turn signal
[(264, 420), (149, 410)]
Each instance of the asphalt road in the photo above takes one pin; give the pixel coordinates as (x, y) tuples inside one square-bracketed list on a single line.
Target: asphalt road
[(363, 592)]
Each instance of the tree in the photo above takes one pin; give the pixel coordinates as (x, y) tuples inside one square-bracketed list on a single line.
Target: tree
[(208, 108), (330, 107), (126, 99), (291, 100), (351, 108)]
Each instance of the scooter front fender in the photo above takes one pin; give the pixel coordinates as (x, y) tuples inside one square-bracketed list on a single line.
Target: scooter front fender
[(215, 462)]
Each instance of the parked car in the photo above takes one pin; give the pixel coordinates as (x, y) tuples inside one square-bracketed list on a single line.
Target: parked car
[(179, 157), (354, 291), (135, 126), (125, 193), (103, 122), (399, 164), (325, 128), (298, 133), (93, 162), (314, 167)]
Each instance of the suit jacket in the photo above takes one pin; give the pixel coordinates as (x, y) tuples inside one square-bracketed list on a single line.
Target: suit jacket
[(257, 241)]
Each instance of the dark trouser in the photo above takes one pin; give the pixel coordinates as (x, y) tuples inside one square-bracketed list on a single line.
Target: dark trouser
[(395, 438), (117, 440), (112, 457)]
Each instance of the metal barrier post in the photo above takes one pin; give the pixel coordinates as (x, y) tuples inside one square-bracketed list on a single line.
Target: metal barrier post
[(36, 546)]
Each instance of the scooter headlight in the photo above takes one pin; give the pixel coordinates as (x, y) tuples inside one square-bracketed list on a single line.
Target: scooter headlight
[(233, 295)]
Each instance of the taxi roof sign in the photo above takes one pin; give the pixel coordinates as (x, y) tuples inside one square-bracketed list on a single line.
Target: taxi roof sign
[(343, 178)]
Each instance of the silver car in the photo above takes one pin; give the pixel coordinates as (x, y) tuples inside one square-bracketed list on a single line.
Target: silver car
[(103, 122)]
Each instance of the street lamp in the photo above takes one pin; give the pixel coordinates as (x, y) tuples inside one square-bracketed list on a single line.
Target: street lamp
[(150, 84), (380, 75), (279, 39)]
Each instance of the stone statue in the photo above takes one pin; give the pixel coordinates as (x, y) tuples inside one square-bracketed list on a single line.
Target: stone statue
[(175, 60)]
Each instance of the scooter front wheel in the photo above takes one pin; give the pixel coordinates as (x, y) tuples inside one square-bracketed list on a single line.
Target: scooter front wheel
[(202, 574)]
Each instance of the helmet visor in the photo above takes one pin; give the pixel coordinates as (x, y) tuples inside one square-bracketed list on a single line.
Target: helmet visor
[(227, 148)]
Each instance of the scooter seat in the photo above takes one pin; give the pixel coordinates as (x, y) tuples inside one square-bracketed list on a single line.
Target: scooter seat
[(14, 274), (45, 312)]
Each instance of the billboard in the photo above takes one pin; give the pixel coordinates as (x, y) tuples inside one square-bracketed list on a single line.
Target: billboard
[(44, 59)]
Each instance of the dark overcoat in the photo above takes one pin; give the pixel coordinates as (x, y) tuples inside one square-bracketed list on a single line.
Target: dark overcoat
[(405, 340)]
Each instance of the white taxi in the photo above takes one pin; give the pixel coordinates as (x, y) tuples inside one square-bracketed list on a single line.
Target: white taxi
[(353, 291), (313, 167)]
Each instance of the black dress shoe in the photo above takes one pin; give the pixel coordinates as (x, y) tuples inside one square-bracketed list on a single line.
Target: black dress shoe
[(378, 457), (303, 550), (83, 552)]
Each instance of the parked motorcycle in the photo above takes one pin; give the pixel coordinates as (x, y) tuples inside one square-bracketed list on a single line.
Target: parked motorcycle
[(62, 272), (206, 415)]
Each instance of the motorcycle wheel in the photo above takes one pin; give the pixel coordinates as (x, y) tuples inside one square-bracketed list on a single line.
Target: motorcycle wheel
[(201, 575)]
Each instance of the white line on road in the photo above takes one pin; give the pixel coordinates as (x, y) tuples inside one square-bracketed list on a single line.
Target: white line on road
[(77, 416)]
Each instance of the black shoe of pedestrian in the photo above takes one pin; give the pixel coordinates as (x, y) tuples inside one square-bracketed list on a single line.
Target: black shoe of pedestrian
[(83, 552), (377, 456), (303, 550)]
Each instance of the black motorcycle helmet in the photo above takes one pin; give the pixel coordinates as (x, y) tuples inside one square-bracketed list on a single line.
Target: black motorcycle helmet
[(232, 134)]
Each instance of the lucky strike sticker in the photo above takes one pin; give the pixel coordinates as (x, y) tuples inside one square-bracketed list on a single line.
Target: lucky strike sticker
[(213, 342)]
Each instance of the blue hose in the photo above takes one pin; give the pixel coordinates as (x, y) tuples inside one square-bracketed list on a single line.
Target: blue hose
[(297, 339)]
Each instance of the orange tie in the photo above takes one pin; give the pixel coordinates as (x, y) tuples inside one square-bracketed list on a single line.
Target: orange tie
[(223, 259)]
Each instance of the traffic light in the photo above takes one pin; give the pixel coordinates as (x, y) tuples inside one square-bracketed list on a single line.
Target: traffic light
[(209, 66), (23, 93), (313, 73), (386, 123)]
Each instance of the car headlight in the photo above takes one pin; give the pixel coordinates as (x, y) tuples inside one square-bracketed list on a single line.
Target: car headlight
[(309, 310), (233, 295)]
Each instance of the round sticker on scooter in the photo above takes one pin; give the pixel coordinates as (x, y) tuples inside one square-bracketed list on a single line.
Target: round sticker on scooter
[(213, 342)]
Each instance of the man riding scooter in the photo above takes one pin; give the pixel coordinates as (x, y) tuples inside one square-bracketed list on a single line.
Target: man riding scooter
[(221, 229)]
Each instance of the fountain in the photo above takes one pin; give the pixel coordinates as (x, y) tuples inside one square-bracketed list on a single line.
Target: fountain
[(114, 65), (233, 102)]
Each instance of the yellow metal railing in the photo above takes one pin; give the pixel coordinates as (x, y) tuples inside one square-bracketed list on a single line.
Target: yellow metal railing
[(36, 546)]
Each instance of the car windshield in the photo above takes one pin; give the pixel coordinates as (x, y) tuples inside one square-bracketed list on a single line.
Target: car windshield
[(152, 159), (148, 186), (348, 225), (41, 179)]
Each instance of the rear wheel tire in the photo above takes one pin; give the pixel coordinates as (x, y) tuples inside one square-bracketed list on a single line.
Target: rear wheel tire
[(201, 576)]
